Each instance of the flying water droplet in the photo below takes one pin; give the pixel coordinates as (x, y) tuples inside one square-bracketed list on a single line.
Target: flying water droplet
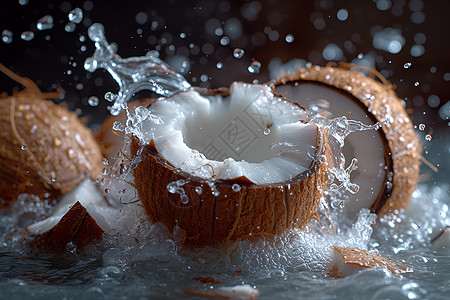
[(428, 137), (238, 53), (198, 190), (407, 65), (70, 27), (421, 127), (76, 15), (110, 96), (266, 131), (27, 35), (289, 38), (219, 65), (24, 147), (44, 23), (93, 101), (7, 36), (105, 161), (254, 67)]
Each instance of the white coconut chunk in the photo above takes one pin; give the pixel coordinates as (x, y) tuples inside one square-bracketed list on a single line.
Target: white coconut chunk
[(89, 197), (249, 133), (366, 146), (244, 291)]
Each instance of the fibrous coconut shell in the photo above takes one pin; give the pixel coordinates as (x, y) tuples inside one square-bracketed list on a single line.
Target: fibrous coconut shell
[(45, 150), (381, 101)]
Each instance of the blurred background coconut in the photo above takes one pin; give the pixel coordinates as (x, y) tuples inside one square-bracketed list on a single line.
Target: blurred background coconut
[(216, 42)]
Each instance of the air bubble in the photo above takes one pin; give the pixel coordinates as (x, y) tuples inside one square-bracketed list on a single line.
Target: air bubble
[(45, 23), (254, 67), (93, 101), (106, 171), (27, 35), (238, 53), (76, 15)]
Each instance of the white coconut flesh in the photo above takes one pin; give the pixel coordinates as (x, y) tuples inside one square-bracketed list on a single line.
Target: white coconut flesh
[(366, 146), (89, 197), (249, 132)]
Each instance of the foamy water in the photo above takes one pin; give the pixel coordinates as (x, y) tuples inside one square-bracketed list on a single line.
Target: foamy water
[(146, 262)]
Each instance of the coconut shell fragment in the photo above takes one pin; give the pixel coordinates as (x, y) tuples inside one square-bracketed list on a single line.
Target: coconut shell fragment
[(350, 260), (44, 148), (379, 102), (76, 228)]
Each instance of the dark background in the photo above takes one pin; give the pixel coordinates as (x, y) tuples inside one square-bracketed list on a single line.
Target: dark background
[(48, 58)]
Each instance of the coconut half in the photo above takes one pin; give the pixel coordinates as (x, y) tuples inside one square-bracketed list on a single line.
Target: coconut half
[(388, 159), (228, 165)]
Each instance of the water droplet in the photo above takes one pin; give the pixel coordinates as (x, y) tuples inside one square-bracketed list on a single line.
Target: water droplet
[(23, 2), (219, 65), (236, 187), (342, 14), (224, 41), (24, 147), (106, 171), (45, 23), (71, 247), (90, 64), (107, 191), (110, 96), (254, 67), (105, 161), (182, 35), (117, 126), (70, 27), (93, 101), (407, 65), (27, 35), (238, 53), (7, 36), (416, 83), (422, 127), (198, 190), (76, 15), (266, 131), (428, 137), (289, 38)]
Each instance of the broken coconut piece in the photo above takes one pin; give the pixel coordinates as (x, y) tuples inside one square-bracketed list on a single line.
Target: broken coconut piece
[(244, 291), (228, 166), (75, 219), (388, 159), (44, 148), (347, 261), (442, 240)]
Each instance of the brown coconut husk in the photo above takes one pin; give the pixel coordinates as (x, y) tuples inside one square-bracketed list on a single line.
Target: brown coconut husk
[(76, 226), (60, 151), (403, 147), (252, 212)]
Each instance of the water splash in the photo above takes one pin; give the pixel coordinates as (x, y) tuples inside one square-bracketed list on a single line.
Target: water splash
[(133, 74)]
